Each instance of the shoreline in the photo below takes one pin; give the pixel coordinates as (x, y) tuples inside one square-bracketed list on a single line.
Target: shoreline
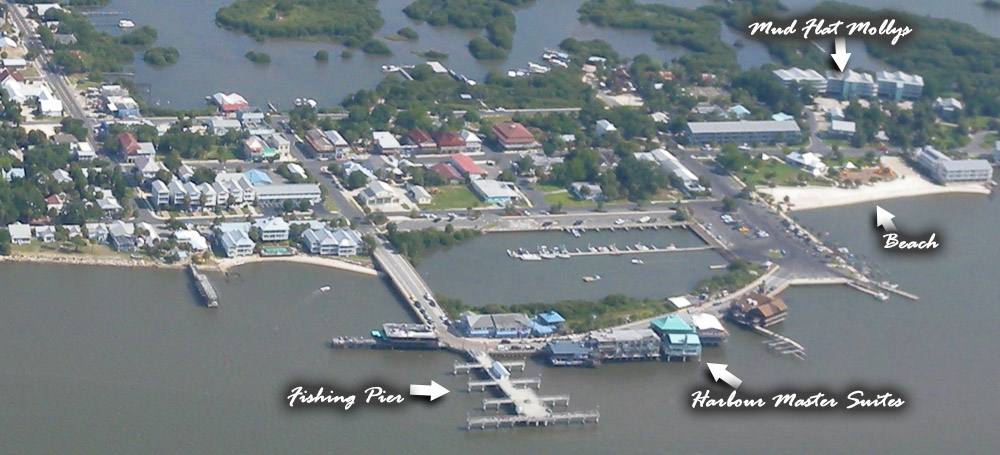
[(224, 264), (87, 261), (908, 184)]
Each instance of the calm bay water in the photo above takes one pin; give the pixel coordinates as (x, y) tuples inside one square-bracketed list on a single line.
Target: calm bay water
[(212, 58), (115, 361)]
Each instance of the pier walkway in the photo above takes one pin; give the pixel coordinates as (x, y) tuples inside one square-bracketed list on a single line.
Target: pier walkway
[(204, 286), (529, 408)]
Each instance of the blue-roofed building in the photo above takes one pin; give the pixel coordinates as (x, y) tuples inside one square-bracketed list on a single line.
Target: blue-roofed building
[(739, 111), (258, 177), (671, 324), (551, 318), (782, 117), (542, 330)]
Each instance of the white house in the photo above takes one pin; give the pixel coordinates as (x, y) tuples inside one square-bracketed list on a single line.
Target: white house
[(386, 143), (342, 242), (273, 229), (809, 162), (235, 243), (192, 238), (20, 234), (45, 234), (378, 193), (604, 127), (420, 195), (473, 143)]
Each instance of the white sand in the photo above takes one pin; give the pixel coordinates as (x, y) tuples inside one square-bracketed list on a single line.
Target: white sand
[(224, 264), (908, 184)]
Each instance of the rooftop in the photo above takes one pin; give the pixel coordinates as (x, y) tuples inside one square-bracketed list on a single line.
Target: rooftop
[(744, 126)]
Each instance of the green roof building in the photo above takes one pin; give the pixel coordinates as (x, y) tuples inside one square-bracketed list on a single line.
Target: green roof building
[(671, 325)]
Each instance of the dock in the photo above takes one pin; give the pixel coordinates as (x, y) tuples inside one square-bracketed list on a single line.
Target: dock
[(530, 409), (512, 365), (781, 344), (204, 286)]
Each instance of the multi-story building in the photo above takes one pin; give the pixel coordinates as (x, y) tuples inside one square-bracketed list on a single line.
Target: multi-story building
[(850, 84), (946, 170), (899, 85), (804, 77), (750, 132)]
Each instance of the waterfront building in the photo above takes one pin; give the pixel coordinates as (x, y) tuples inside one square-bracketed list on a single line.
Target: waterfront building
[(569, 353), (898, 86), (467, 167), (45, 233), (20, 234), (804, 77), (230, 102), (809, 162), (272, 229), (622, 345), (235, 243), (710, 329), (378, 193), (750, 132), (757, 310), (681, 346), (670, 324), (503, 325), (946, 170), (269, 195), (406, 336), (324, 242), (121, 235), (850, 84), (495, 192), (191, 238), (514, 136)]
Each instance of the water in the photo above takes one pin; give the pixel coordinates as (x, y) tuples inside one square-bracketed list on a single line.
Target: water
[(481, 273), (212, 58), (116, 361)]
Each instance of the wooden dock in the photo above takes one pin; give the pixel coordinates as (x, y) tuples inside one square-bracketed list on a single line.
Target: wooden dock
[(781, 344), (553, 400), (204, 286), (512, 365)]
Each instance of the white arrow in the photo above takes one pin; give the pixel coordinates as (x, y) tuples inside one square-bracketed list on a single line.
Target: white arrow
[(434, 390), (884, 218), (840, 54), (719, 371)]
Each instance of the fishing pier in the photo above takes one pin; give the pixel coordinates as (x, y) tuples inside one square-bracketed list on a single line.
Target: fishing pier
[(530, 409), (204, 287)]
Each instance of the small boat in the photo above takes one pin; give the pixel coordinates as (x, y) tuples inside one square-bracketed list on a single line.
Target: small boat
[(591, 279), (637, 261), (882, 296), (562, 252), (324, 289), (545, 253), (510, 253), (576, 232), (125, 23), (530, 257)]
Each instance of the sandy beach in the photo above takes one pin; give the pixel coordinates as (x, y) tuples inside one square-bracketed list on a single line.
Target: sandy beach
[(909, 184), (224, 264)]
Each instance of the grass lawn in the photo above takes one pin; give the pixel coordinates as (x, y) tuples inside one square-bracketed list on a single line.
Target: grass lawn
[(65, 249), (329, 205), (454, 197), (567, 200), (783, 174)]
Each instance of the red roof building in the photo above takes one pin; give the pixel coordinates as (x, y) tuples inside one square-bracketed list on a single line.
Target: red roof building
[(447, 172), (421, 139), (514, 136), (128, 145), (466, 166), (448, 141)]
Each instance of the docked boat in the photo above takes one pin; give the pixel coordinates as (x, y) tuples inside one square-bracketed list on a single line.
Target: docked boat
[(591, 278), (510, 253), (545, 253), (324, 289), (637, 261), (562, 252), (575, 232), (530, 257), (125, 23)]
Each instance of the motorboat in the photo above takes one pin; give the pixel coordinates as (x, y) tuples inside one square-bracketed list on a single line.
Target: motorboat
[(637, 261), (324, 289), (125, 23), (591, 278)]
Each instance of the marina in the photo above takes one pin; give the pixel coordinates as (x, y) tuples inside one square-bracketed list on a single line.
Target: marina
[(561, 252)]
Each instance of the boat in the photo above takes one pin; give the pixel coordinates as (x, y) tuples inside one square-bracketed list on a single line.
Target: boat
[(562, 252), (125, 23), (530, 257), (576, 232), (545, 253), (637, 261), (882, 296), (591, 279), (510, 253), (324, 289)]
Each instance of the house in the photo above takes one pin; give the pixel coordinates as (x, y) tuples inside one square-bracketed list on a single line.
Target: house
[(297, 171), (739, 111), (97, 232), (281, 145), (386, 143), (420, 195), (20, 234), (272, 229), (148, 167), (604, 127), (159, 193), (378, 193), (255, 149), (191, 238), (948, 108), (108, 203), (495, 192), (18, 173), (219, 126), (230, 102), (586, 191), (45, 234), (128, 146), (447, 172), (236, 243), (208, 198), (121, 235), (842, 129), (341, 242), (61, 176), (448, 141), (467, 167), (83, 151), (50, 107), (185, 172), (809, 162), (54, 202), (239, 187), (514, 136), (320, 143), (473, 143), (836, 113), (422, 140)]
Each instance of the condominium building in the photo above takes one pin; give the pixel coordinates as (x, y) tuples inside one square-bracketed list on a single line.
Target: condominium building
[(757, 131)]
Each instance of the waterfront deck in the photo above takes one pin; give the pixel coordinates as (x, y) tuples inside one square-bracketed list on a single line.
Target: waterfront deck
[(529, 408)]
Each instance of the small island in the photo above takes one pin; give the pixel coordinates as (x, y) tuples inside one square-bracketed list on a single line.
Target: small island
[(431, 55), (260, 58), (322, 55), (350, 22), (494, 16), (990, 4), (376, 47), (161, 56)]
